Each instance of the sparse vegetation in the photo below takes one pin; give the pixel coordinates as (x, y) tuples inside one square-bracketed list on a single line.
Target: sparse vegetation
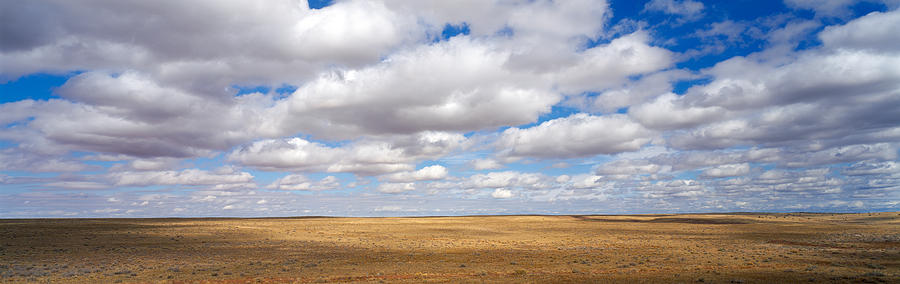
[(725, 248)]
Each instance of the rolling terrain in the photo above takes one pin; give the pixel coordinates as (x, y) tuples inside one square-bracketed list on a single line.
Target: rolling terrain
[(690, 248)]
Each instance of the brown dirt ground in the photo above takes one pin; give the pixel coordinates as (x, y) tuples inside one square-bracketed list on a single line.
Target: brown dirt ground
[(710, 248)]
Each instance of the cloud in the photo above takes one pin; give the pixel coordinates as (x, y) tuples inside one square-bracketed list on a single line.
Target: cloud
[(823, 8), (782, 125), (691, 160), (624, 167), (758, 101), (546, 18), (131, 114), (579, 135), (872, 168), (458, 85), (501, 193), (297, 154), (78, 185), (633, 92), (609, 65), (840, 154), (508, 179), (152, 164), (669, 111), (280, 37), (435, 172), (679, 188), (833, 8), (811, 181), (495, 179), (184, 177), (463, 84), (732, 170), (366, 157), (396, 187), (728, 31), (485, 164), (146, 85), (107, 210), (19, 159), (871, 32), (688, 9), (587, 181), (301, 182), (389, 208)]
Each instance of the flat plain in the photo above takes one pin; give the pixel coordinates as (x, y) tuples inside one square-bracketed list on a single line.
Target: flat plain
[(690, 248)]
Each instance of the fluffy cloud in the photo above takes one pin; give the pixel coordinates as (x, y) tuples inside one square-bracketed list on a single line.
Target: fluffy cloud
[(463, 84), (301, 155), (266, 42), (368, 157), (871, 32), (508, 179), (394, 188), (840, 154), (766, 101), (608, 65), (346, 91), (458, 85), (690, 160), (301, 182), (485, 164), (435, 172), (633, 92), (625, 167), (732, 170), (185, 177), (787, 124), (18, 159), (132, 115), (678, 188), (813, 181), (587, 181), (501, 193), (579, 135), (495, 179), (670, 112), (152, 164)]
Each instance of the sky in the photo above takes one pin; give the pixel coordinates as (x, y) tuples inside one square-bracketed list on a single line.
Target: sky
[(130, 108)]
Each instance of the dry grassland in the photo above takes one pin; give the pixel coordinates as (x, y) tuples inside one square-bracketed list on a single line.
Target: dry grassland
[(724, 248)]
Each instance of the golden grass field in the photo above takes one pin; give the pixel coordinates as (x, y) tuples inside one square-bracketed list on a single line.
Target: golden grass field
[(710, 248)]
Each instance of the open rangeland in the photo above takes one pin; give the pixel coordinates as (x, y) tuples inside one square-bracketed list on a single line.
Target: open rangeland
[(711, 248)]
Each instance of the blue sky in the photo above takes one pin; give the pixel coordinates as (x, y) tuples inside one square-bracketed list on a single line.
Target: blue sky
[(395, 108)]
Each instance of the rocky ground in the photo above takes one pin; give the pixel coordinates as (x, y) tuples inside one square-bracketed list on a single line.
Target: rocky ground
[(723, 248)]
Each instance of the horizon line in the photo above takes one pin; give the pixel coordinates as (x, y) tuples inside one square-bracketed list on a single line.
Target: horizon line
[(449, 216)]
